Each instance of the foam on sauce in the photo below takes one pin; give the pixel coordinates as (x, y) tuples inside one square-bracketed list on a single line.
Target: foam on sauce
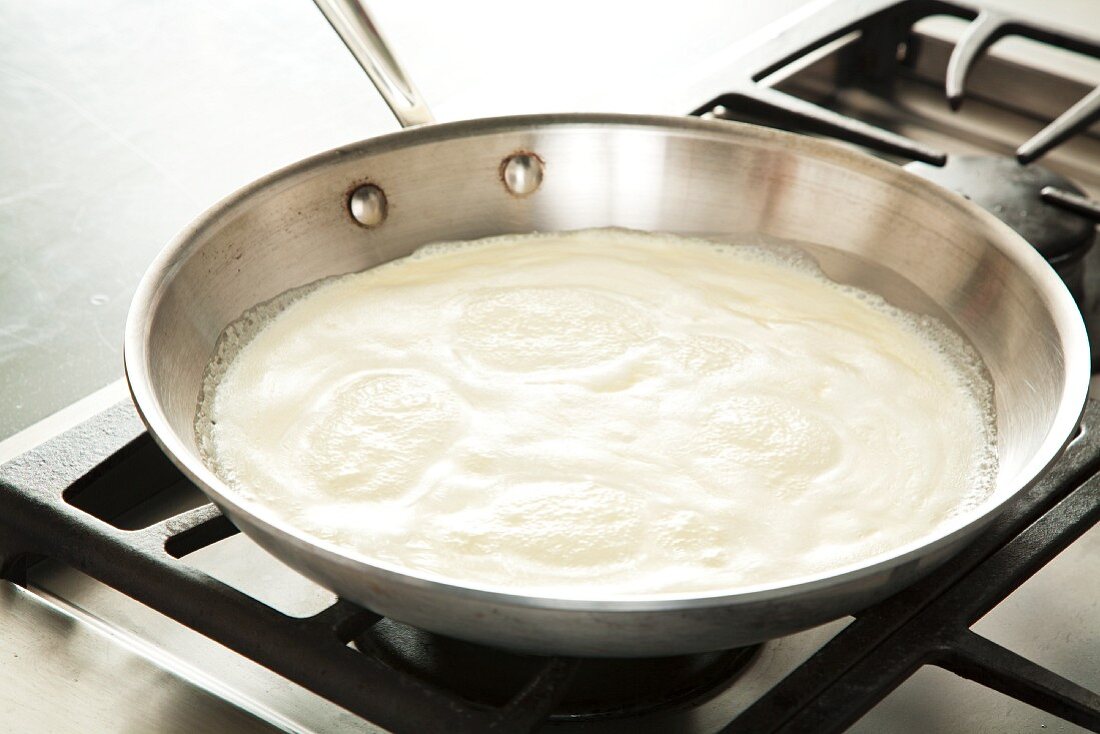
[(600, 413)]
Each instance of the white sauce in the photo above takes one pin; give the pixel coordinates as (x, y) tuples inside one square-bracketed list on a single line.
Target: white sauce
[(600, 413)]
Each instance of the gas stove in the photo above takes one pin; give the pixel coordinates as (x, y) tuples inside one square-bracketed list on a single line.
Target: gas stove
[(142, 608)]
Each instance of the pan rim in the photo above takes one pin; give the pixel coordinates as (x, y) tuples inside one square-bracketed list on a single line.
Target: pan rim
[(1063, 311)]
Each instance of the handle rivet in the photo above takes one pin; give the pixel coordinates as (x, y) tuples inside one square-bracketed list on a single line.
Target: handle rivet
[(521, 173), (367, 205)]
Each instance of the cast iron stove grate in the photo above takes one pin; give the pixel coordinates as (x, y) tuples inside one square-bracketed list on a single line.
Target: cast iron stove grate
[(44, 514), (884, 48)]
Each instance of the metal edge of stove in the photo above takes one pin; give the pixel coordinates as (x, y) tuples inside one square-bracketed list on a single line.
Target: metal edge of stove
[(102, 676), (97, 645), (63, 420)]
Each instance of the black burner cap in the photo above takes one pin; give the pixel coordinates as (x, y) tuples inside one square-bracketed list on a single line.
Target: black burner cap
[(601, 688), (1011, 192)]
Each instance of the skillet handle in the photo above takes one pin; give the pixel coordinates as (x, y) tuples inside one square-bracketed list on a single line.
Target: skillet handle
[(350, 19)]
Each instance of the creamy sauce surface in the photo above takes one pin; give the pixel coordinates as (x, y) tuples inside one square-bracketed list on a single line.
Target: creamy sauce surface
[(601, 413)]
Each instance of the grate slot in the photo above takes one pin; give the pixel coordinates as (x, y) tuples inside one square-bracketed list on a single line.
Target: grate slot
[(194, 530), (346, 620)]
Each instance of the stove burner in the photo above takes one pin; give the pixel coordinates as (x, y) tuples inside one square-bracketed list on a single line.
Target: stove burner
[(1013, 193), (600, 689)]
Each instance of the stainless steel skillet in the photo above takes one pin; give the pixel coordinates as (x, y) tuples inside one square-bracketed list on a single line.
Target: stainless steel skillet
[(362, 205)]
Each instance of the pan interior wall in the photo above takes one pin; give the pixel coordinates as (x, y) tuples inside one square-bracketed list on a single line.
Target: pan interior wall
[(295, 228)]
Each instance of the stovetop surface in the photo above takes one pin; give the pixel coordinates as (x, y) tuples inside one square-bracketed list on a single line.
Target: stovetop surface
[(75, 653)]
